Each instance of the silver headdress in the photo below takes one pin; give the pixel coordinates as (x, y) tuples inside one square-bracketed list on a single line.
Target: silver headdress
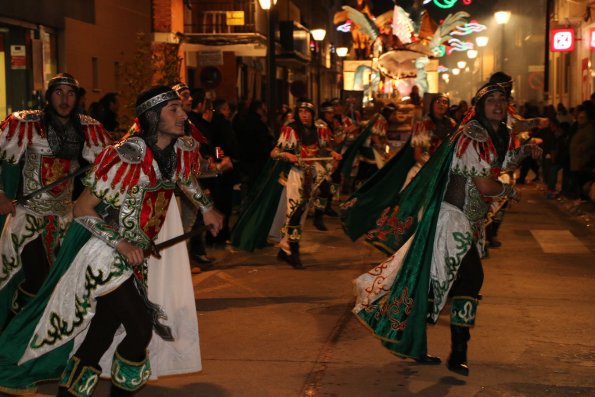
[(156, 100), (306, 105), (59, 80)]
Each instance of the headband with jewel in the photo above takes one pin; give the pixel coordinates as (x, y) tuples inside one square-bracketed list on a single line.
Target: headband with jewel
[(488, 89), (180, 87), (59, 80), (306, 105), (156, 100)]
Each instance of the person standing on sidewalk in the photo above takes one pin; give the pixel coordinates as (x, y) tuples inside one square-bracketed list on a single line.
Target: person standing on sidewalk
[(436, 231), (49, 143)]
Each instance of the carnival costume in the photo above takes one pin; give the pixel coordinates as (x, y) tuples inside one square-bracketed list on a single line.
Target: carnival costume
[(365, 153), (435, 231), (48, 150), (427, 134), (91, 282), (288, 204)]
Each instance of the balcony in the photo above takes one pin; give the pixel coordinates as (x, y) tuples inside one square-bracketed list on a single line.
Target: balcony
[(295, 44), (223, 17), (232, 25)]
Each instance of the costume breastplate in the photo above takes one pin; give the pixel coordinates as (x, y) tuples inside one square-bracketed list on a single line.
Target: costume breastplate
[(143, 211), (42, 168)]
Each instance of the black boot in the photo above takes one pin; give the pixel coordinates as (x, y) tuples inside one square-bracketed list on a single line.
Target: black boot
[(330, 211), (78, 379), (457, 362), (62, 392), (294, 258), (428, 360), (318, 221)]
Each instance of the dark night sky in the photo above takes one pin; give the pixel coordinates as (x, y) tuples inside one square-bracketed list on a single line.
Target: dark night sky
[(477, 8)]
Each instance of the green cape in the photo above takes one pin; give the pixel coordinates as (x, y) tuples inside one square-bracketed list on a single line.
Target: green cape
[(252, 228), (354, 149), (382, 190), (11, 177), (399, 318), (16, 336)]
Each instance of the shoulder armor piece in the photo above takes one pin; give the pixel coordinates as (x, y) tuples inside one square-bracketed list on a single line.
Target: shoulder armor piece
[(475, 131), (131, 150), (88, 120), (29, 115), (186, 143), (320, 124)]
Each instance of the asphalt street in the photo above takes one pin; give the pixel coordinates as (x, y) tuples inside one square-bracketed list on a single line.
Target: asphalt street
[(267, 330)]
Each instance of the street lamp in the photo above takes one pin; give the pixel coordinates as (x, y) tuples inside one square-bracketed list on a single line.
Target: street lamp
[(502, 18), (461, 64), (318, 36), (481, 42), (472, 54), (342, 53), (271, 10)]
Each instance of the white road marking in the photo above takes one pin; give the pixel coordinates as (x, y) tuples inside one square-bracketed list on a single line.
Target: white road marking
[(559, 242)]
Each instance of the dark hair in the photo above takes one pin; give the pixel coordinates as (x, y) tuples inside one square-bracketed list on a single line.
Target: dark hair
[(255, 105), (110, 97), (149, 119), (502, 79), (52, 88), (218, 103)]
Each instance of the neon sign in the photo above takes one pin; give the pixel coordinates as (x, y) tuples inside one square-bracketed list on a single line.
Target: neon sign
[(468, 28), (447, 3), (458, 45), (562, 40)]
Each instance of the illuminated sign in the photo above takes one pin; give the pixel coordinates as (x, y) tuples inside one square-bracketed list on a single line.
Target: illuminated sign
[(592, 39), (447, 3), (562, 40), (234, 18)]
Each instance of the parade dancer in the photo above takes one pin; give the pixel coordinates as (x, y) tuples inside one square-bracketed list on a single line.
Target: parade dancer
[(49, 143), (328, 187), (429, 132), (368, 149), (436, 232), (298, 141), (103, 285)]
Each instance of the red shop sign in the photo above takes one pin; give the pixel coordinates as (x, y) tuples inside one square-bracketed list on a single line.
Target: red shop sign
[(561, 40)]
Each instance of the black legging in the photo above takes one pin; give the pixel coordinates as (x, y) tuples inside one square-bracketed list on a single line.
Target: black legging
[(124, 306), (36, 267), (470, 275)]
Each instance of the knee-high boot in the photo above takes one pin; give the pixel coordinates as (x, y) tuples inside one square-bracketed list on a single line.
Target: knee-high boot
[(78, 379), (462, 318), (294, 257), (457, 362), (319, 221), (128, 376)]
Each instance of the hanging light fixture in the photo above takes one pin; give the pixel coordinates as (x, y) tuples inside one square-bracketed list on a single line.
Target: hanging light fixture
[(342, 52), (318, 34), (266, 4)]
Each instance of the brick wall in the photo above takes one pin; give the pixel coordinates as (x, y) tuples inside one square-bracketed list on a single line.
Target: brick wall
[(162, 15)]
